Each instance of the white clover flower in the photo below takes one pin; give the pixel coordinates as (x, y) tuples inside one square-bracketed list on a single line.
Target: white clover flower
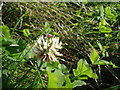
[(47, 48)]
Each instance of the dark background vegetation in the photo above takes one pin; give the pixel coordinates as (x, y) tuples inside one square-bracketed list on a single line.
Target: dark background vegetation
[(77, 24)]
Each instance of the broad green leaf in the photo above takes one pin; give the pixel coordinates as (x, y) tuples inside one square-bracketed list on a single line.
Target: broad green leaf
[(63, 68), (68, 83), (52, 80), (55, 79), (94, 56), (84, 69), (6, 32), (60, 76), (78, 83), (54, 65), (81, 67), (90, 73), (110, 13), (26, 32)]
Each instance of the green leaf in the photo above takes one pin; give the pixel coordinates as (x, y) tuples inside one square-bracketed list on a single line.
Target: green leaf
[(52, 80), (78, 83), (84, 69), (102, 11), (108, 35), (63, 68), (60, 76), (94, 56), (81, 67), (55, 79), (6, 32), (48, 29), (68, 83), (52, 64), (103, 23), (114, 66), (100, 46), (104, 29), (26, 32), (108, 11), (102, 62), (56, 34)]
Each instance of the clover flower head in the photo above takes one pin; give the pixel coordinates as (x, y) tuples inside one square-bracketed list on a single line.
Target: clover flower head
[(47, 48)]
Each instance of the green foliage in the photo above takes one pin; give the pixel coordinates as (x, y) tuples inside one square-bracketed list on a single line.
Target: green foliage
[(102, 27), (58, 79), (6, 32), (26, 32), (55, 79), (90, 36), (94, 56), (111, 13), (83, 70)]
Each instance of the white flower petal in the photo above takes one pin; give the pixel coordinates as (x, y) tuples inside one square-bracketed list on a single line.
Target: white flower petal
[(48, 46), (58, 54)]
